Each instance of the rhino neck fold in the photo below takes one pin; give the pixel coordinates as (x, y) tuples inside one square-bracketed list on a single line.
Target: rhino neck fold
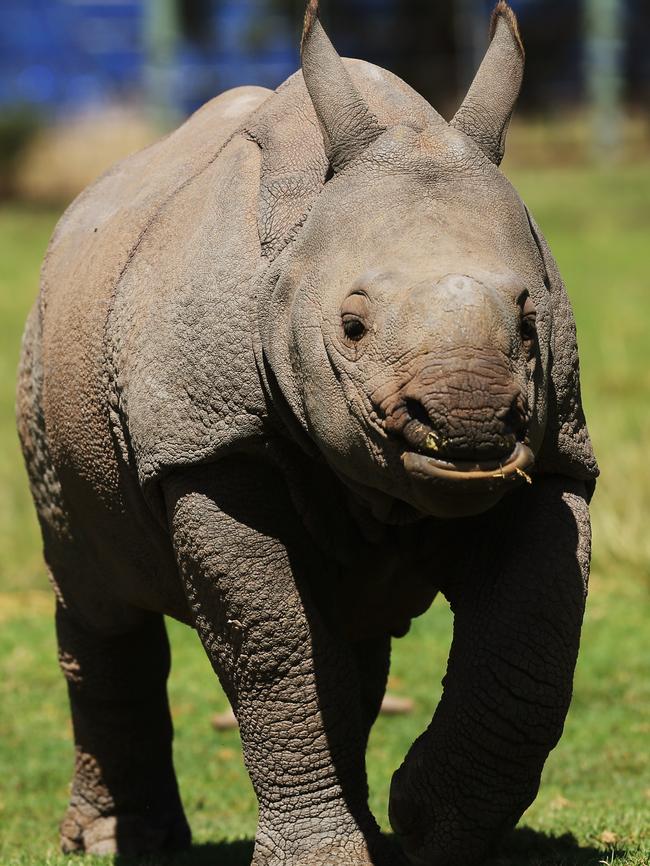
[(279, 408)]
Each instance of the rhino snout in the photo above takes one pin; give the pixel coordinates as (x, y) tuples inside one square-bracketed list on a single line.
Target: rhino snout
[(471, 413)]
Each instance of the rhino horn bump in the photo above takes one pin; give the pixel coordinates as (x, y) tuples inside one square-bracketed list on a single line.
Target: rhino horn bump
[(486, 110), (347, 123)]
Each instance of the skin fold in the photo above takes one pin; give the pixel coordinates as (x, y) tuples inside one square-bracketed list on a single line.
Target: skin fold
[(293, 371)]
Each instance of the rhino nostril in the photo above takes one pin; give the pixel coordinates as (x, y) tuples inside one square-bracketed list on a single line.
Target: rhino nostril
[(417, 412), (417, 428), (514, 416)]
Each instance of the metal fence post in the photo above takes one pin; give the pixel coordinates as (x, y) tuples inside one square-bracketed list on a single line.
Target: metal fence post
[(604, 58), (160, 24)]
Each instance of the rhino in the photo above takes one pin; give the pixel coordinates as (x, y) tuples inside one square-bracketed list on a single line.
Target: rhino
[(293, 371)]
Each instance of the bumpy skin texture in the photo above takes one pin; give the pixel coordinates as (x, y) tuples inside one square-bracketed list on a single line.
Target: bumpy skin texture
[(285, 382), (517, 613), (295, 685)]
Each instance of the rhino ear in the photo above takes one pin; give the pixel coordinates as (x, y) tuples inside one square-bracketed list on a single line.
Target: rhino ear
[(486, 111), (347, 124), (566, 448)]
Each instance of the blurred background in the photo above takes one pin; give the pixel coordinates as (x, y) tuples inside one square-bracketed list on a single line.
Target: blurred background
[(120, 70), (83, 83)]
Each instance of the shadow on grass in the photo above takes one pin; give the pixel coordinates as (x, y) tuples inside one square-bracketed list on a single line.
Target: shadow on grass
[(526, 847), (523, 847), (235, 853)]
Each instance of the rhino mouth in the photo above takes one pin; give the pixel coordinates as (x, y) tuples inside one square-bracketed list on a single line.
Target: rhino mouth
[(510, 469)]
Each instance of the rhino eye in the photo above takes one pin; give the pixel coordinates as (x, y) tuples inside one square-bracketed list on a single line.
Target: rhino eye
[(354, 315), (528, 323), (353, 327)]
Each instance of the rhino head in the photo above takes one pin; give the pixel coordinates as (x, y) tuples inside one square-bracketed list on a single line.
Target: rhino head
[(412, 322)]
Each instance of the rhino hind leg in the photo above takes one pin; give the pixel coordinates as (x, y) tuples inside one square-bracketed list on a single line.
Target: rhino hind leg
[(124, 797)]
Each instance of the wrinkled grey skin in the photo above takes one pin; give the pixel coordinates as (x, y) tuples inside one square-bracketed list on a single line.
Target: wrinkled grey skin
[(285, 381)]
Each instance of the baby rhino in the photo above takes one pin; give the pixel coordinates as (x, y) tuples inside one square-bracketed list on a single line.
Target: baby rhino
[(294, 370)]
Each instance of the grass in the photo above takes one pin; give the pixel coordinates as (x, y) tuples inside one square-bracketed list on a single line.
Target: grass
[(594, 804)]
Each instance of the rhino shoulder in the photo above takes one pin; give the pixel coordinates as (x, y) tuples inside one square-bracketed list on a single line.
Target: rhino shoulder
[(92, 248), (181, 330)]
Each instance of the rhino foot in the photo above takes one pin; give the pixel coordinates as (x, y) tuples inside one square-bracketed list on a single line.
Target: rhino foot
[(350, 851), (83, 830)]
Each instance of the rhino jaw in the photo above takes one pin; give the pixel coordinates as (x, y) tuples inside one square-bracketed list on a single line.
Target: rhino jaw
[(462, 488)]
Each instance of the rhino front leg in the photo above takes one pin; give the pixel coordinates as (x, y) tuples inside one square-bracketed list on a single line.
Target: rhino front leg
[(518, 614), (293, 682)]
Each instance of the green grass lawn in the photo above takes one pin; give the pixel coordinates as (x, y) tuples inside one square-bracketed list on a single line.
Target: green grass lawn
[(594, 804)]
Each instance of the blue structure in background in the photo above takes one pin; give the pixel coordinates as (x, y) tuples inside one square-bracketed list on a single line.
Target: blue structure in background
[(60, 55), (248, 43)]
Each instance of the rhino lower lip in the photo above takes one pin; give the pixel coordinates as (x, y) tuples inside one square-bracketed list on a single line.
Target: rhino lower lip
[(510, 469)]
